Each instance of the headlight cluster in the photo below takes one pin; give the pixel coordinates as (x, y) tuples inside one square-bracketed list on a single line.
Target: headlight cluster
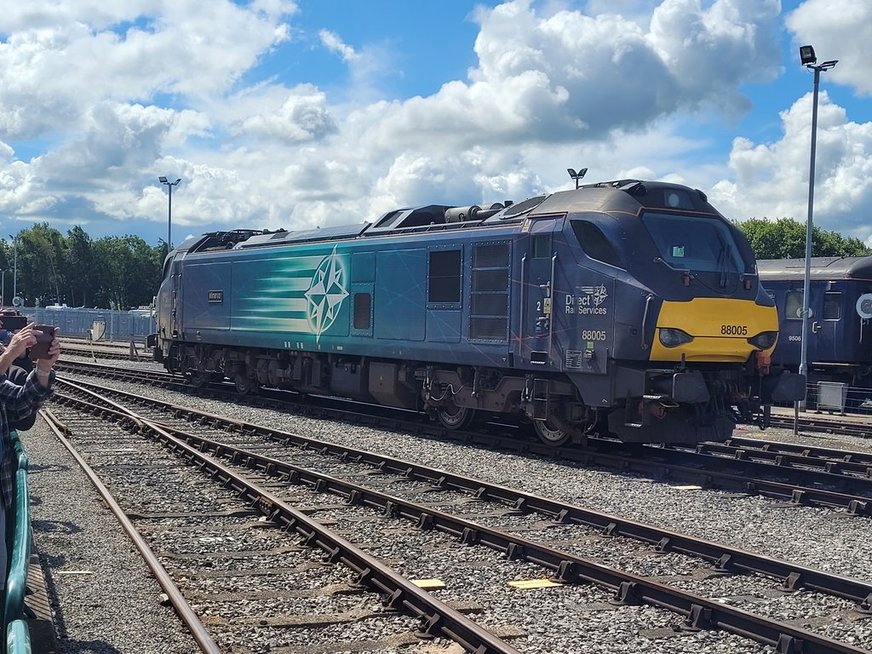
[(670, 337), (763, 340)]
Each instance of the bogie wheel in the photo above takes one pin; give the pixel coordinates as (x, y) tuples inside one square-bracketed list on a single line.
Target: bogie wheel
[(455, 417), (549, 434), (244, 384), (195, 379)]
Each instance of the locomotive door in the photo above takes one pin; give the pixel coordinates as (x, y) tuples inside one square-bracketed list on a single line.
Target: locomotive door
[(176, 296), (825, 326), (538, 264)]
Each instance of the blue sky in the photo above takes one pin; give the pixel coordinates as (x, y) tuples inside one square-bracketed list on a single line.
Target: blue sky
[(280, 113)]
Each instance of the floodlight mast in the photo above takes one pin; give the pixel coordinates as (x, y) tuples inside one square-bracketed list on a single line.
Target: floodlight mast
[(809, 60), (169, 185)]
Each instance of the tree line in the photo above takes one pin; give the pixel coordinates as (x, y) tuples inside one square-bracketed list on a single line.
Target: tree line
[(785, 239), (113, 272), (122, 272)]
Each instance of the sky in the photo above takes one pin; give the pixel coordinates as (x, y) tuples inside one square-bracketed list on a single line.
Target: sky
[(296, 114)]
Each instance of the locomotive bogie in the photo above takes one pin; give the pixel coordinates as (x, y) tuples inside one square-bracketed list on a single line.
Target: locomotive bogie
[(627, 307)]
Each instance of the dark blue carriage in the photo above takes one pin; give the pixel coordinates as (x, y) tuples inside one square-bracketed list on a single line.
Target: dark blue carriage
[(840, 325)]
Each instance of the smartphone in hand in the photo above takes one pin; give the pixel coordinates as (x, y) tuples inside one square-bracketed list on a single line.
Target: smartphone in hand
[(43, 341)]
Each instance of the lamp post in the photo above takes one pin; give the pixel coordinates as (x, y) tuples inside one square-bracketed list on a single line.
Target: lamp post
[(14, 266), (809, 60), (169, 185)]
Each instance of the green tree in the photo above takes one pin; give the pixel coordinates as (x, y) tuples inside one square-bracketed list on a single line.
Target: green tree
[(41, 254), (785, 239), (7, 267), (128, 271), (80, 268)]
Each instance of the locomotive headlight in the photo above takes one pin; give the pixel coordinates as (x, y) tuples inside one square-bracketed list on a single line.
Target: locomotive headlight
[(763, 340), (670, 337)]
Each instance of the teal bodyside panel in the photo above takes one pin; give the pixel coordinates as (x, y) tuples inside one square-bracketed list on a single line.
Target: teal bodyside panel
[(443, 326), (401, 295), (208, 305), (302, 294), (363, 267)]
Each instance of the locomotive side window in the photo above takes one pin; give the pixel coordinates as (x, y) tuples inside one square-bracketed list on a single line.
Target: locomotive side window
[(444, 277), (832, 306), (594, 243), (793, 305), (489, 306), (541, 246), (362, 310)]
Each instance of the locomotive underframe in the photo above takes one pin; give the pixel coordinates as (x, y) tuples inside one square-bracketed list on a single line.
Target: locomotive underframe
[(709, 405), (418, 386)]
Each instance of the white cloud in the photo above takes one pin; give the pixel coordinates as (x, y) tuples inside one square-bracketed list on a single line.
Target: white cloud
[(333, 43), (302, 116), (771, 180), (611, 88), (59, 61)]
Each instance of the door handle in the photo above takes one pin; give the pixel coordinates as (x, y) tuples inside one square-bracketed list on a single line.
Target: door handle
[(815, 327)]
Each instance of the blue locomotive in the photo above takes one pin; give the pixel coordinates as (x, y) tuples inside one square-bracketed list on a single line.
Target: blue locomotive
[(629, 307), (840, 328)]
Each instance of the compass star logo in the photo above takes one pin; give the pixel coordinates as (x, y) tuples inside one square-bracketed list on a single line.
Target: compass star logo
[(326, 294)]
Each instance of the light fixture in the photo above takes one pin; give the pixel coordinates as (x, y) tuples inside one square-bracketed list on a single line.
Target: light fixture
[(576, 175)]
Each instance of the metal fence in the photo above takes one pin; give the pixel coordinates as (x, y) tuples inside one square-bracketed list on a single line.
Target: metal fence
[(117, 325), (838, 398)]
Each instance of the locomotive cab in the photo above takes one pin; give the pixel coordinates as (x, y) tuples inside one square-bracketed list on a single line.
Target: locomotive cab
[(664, 318)]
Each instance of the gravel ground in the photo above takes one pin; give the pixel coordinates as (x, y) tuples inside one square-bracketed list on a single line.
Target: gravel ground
[(822, 538), (103, 596)]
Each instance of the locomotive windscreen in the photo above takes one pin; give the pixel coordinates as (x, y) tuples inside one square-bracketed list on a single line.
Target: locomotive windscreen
[(695, 243)]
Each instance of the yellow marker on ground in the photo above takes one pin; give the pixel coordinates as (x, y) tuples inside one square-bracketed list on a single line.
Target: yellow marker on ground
[(529, 584), (429, 584)]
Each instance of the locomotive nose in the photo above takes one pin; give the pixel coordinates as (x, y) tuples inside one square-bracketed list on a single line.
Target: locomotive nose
[(714, 329)]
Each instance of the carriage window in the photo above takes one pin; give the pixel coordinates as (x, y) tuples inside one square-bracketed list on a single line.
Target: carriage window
[(793, 305), (832, 306), (444, 276)]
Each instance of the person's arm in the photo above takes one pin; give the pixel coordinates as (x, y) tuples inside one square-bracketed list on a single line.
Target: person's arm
[(23, 401), (18, 344)]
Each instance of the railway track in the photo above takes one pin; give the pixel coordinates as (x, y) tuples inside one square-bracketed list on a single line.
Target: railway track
[(109, 351), (855, 426), (779, 471), (859, 427), (265, 563), (418, 506)]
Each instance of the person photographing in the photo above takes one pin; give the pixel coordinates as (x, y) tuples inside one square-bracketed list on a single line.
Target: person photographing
[(21, 401)]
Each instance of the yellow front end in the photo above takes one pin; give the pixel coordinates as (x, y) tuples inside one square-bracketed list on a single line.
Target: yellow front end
[(719, 328)]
